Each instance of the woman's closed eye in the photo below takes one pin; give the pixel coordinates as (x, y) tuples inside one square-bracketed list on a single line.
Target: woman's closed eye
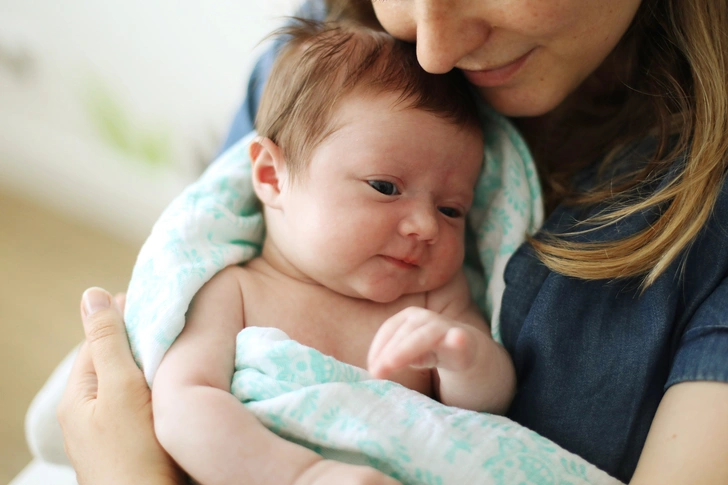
[(384, 187), (450, 212)]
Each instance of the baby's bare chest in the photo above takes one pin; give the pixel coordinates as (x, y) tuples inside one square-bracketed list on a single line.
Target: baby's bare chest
[(335, 325)]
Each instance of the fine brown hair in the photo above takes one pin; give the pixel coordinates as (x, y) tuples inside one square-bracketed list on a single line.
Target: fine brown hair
[(323, 62), (667, 82)]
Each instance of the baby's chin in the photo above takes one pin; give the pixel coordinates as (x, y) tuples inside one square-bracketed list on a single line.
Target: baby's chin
[(376, 297), (381, 293), (375, 293)]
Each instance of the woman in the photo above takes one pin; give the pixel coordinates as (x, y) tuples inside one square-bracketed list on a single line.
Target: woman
[(616, 312)]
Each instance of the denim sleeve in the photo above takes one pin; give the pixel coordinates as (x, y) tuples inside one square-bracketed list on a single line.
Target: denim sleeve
[(702, 354), (243, 122)]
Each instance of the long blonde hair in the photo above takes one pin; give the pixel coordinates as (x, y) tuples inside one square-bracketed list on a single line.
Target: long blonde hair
[(677, 92), (672, 73)]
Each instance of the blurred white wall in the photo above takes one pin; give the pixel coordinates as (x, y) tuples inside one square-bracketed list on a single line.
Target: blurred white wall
[(108, 108)]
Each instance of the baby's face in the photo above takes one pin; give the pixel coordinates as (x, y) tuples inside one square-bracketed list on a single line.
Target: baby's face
[(379, 212)]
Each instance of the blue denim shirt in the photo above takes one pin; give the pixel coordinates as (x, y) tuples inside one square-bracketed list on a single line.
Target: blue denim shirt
[(594, 358)]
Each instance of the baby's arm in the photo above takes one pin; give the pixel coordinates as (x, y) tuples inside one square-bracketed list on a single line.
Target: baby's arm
[(201, 425), (470, 370)]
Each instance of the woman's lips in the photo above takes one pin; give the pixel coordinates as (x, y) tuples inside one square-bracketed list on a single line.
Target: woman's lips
[(499, 75)]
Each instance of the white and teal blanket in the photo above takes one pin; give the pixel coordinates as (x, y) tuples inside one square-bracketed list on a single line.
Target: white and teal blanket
[(341, 412), (324, 404)]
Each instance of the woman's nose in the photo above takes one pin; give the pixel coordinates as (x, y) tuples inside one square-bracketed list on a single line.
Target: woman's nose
[(422, 224), (446, 34)]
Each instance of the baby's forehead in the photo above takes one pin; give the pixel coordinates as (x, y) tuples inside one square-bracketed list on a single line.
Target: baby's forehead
[(382, 131), (374, 103)]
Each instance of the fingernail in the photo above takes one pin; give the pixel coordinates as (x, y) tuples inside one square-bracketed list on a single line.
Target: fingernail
[(95, 299)]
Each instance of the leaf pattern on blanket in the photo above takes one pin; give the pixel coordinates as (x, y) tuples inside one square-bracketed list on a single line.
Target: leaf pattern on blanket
[(341, 412)]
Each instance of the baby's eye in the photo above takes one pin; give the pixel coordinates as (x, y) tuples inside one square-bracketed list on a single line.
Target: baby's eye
[(386, 188), (450, 212)]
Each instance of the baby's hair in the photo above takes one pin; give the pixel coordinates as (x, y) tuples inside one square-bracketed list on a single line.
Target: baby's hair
[(323, 62)]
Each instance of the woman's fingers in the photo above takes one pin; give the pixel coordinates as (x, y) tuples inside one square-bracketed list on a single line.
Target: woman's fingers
[(83, 376), (80, 390), (106, 337), (106, 410), (120, 300)]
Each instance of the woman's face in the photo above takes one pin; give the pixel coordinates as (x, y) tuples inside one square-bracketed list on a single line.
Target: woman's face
[(524, 56)]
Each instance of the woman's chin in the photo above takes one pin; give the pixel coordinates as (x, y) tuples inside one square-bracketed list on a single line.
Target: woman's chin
[(520, 103)]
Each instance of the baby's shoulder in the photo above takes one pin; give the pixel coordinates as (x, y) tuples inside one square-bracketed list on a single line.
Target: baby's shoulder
[(229, 275), (229, 280)]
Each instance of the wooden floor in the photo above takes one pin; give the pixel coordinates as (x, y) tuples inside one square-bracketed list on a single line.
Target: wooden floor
[(46, 262)]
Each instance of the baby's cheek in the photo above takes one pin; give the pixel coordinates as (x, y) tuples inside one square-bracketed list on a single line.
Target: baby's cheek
[(450, 260)]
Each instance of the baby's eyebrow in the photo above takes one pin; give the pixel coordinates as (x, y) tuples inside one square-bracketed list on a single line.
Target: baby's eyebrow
[(464, 198)]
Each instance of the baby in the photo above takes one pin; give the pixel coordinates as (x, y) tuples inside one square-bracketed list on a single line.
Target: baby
[(365, 166)]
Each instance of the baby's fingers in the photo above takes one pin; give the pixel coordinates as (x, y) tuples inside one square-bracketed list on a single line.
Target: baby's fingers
[(395, 328), (456, 351), (411, 345), (382, 338)]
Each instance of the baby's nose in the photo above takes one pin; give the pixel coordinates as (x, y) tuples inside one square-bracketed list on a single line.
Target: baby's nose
[(421, 224)]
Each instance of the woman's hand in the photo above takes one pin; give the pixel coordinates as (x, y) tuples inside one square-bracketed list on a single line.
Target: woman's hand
[(106, 410)]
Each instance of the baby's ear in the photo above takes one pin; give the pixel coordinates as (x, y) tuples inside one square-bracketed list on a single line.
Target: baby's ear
[(269, 171)]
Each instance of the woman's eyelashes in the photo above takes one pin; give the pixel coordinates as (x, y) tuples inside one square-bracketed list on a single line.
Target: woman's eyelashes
[(386, 188)]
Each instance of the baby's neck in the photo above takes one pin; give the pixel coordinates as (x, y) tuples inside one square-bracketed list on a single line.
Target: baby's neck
[(274, 264)]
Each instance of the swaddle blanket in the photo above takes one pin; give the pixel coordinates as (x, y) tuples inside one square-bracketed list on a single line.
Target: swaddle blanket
[(344, 414), (216, 222)]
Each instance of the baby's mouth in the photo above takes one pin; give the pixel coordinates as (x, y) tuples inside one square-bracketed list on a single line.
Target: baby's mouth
[(404, 263)]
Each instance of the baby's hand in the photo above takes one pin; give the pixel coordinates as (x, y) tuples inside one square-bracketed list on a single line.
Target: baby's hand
[(329, 472), (420, 338)]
